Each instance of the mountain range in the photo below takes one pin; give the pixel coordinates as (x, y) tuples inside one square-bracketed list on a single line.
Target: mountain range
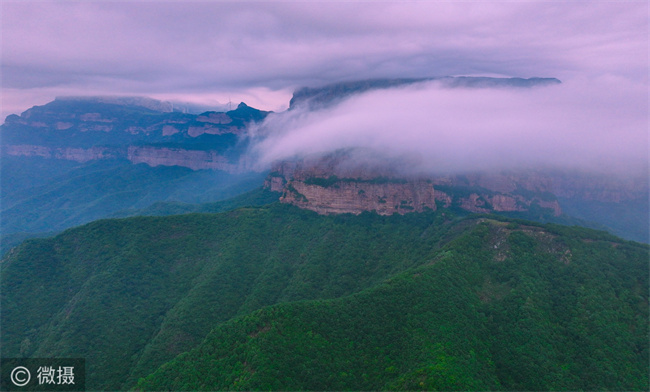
[(170, 265), (77, 159)]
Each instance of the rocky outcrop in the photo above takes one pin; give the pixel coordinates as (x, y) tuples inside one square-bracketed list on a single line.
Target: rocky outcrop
[(356, 196), (69, 153), (327, 187), (318, 97), (214, 118), (193, 159), (152, 156), (212, 130), (486, 203), (139, 129)]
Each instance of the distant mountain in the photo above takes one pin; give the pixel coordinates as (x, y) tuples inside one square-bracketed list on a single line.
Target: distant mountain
[(99, 128), (340, 285), (77, 159), (333, 185), (318, 97), (280, 298)]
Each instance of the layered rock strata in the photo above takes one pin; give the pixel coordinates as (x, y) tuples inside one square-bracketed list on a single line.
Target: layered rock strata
[(328, 189)]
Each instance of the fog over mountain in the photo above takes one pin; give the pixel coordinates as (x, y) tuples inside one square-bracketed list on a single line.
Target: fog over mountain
[(259, 52), (597, 125)]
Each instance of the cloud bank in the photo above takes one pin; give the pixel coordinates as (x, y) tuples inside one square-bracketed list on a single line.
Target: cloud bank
[(598, 124), (258, 52)]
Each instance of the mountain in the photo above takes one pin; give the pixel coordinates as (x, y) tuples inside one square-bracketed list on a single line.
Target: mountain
[(500, 307), (78, 159), (319, 97), (340, 183), (97, 128), (360, 277), (332, 184), (278, 297)]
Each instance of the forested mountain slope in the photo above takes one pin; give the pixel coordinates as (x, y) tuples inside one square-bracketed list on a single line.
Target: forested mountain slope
[(501, 307), (130, 294), (367, 302)]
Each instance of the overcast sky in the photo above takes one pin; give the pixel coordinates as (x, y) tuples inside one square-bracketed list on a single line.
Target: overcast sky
[(259, 52)]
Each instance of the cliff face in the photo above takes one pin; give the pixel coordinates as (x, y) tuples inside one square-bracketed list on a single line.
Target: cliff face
[(327, 188), (141, 130), (152, 156), (357, 196), (70, 154), (193, 159)]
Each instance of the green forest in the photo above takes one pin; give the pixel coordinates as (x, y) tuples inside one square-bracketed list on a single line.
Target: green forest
[(278, 298)]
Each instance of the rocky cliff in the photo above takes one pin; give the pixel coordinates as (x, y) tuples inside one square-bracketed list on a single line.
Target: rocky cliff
[(69, 153), (142, 130), (327, 188), (193, 159), (152, 156)]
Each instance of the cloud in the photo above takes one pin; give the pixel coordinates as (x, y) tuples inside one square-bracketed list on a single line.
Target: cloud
[(208, 48), (596, 124)]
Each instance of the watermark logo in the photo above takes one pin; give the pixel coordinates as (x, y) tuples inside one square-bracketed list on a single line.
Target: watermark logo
[(20, 376), (50, 374)]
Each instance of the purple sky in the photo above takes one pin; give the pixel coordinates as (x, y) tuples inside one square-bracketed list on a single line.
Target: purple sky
[(258, 52)]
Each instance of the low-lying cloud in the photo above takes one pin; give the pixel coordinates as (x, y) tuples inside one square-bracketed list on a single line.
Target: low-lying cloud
[(598, 125)]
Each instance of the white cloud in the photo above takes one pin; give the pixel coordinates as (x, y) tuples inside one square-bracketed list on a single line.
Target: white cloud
[(598, 124)]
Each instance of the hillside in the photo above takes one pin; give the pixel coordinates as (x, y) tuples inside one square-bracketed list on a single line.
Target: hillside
[(398, 299), (133, 293), (501, 307)]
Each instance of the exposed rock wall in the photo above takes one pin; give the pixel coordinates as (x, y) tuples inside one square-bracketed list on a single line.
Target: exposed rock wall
[(139, 129), (193, 159), (152, 156), (358, 196), (326, 188), (69, 153)]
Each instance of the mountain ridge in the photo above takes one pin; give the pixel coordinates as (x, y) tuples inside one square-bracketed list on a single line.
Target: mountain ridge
[(332, 184), (319, 97)]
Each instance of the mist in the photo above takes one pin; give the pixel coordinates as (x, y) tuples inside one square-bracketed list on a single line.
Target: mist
[(598, 125)]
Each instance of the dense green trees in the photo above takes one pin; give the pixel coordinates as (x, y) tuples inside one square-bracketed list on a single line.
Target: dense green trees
[(497, 309), (281, 298)]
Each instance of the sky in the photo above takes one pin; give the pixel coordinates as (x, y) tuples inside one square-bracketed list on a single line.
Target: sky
[(259, 52)]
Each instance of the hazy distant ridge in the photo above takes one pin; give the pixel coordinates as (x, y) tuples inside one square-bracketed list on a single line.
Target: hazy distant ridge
[(324, 95)]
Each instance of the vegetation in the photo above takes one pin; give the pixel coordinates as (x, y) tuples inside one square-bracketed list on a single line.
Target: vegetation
[(538, 312), (130, 294), (295, 300), (62, 194), (48, 195), (255, 198)]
